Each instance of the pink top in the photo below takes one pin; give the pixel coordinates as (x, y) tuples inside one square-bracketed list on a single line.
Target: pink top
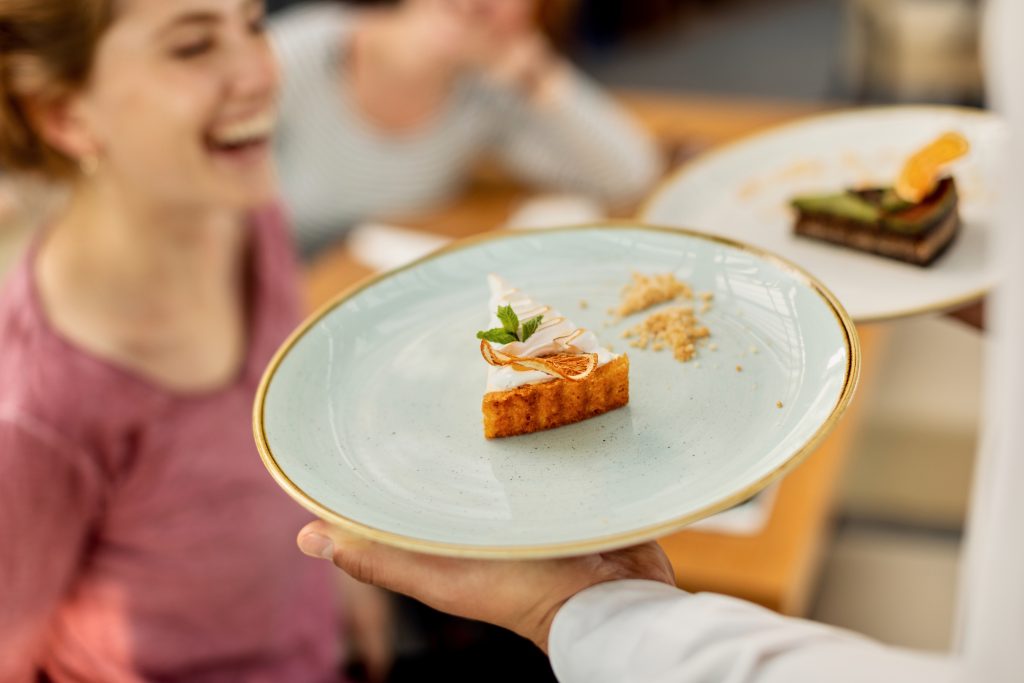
[(140, 536)]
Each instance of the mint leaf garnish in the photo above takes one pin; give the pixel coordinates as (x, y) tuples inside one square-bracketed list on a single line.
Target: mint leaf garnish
[(510, 330), (509, 319), (498, 335), (530, 326)]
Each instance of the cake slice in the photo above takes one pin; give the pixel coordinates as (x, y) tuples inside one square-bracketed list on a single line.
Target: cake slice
[(544, 371), (914, 221), (877, 221)]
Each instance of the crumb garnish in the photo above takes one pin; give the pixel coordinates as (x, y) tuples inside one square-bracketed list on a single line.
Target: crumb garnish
[(675, 328), (650, 290)]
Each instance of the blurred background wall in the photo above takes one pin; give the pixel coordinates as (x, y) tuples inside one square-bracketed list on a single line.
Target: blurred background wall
[(851, 50)]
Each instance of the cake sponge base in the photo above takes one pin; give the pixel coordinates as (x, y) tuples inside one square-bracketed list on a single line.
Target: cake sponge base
[(535, 407)]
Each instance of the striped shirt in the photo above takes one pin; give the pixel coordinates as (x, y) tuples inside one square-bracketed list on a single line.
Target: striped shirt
[(337, 170)]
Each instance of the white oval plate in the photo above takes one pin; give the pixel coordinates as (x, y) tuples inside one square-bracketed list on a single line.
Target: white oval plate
[(743, 190), (370, 414)]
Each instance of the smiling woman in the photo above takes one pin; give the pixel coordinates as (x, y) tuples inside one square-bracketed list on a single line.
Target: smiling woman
[(133, 335)]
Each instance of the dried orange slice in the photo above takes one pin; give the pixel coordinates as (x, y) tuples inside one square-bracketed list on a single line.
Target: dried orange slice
[(921, 172), (570, 366)]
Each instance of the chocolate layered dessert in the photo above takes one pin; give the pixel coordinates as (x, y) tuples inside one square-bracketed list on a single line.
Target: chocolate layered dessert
[(878, 221)]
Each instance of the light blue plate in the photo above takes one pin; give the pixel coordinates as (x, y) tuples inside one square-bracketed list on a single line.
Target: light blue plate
[(370, 414)]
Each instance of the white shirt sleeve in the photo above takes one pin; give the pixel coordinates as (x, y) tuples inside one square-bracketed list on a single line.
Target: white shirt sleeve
[(644, 631)]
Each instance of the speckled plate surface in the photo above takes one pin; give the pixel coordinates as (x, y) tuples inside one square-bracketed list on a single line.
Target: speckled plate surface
[(742, 191), (370, 415)]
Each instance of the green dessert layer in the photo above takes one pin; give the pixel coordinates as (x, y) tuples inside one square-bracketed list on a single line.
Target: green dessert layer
[(881, 208), (847, 205)]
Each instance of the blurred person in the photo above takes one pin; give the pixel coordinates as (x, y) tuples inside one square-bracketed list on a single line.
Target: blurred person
[(619, 617), (142, 540), (386, 110)]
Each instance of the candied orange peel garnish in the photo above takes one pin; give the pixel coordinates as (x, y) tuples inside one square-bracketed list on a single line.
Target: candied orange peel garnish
[(920, 173), (570, 366)]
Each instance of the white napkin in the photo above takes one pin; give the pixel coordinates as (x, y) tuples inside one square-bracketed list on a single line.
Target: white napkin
[(551, 210), (746, 519), (385, 247)]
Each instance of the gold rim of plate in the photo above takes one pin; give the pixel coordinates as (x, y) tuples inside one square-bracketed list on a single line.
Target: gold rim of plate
[(666, 184), (573, 548)]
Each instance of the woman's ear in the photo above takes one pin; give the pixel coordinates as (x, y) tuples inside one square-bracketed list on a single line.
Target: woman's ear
[(62, 124)]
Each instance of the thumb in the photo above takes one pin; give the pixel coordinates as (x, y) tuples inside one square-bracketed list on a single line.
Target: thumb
[(326, 541), (367, 561)]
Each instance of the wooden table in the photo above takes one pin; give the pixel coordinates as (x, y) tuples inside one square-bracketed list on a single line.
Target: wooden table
[(777, 567)]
